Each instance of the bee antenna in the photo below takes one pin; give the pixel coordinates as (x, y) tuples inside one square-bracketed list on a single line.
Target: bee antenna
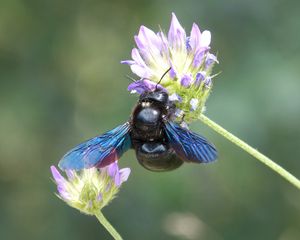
[(162, 77)]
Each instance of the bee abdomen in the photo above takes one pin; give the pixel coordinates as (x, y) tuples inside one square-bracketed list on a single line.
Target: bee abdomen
[(157, 156)]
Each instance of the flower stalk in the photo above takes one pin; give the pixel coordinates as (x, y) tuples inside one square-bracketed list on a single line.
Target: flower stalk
[(246, 147), (113, 232)]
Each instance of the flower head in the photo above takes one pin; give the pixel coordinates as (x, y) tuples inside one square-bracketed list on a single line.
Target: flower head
[(91, 189), (187, 57)]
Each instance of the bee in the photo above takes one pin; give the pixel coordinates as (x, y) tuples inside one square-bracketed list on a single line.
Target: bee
[(159, 142)]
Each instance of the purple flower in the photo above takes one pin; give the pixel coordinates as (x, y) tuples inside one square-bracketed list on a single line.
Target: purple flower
[(90, 189), (187, 57), (155, 52)]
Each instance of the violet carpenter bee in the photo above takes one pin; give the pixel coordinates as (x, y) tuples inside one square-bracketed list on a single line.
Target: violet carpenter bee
[(160, 143)]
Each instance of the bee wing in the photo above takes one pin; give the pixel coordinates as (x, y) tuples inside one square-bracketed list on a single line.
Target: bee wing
[(190, 146), (99, 151)]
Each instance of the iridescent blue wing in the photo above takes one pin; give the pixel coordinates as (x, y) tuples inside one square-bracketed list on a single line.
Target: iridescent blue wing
[(98, 151), (190, 146)]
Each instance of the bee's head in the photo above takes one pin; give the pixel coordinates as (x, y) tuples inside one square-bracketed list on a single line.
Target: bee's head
[(157, 96)]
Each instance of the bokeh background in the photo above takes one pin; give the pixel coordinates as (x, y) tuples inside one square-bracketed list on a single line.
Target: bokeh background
[(61, 82)]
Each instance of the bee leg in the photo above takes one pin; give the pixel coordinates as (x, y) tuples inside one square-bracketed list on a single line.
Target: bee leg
[(182, 118), (183, 123)]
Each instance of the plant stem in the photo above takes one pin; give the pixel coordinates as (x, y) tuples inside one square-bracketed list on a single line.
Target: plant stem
[(267, 161), (99, 215)]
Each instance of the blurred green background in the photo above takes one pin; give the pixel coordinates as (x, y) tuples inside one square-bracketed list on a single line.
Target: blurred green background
[(61, 82)]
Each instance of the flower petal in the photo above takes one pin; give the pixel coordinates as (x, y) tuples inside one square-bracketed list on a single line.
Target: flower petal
[(194, 40), (117, 179), (147, 39), (144, 85), (124, 174), (200, 76), (137, 57), (164, 44), (186, 80), (205, 39), (99, 197), (139, 42), (141, 71), (175, 97), (136, 87), (208, 82), (62, 191), (128, 62), (178, 112), (176, 35), (59, 179), (113, 169), (70, 174), (172, 73), (199, 55), (108, 187), (210, 59), (194, 104)]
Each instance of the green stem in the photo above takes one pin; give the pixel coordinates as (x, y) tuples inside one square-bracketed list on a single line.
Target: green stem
[(99, 215), (267, 161)]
